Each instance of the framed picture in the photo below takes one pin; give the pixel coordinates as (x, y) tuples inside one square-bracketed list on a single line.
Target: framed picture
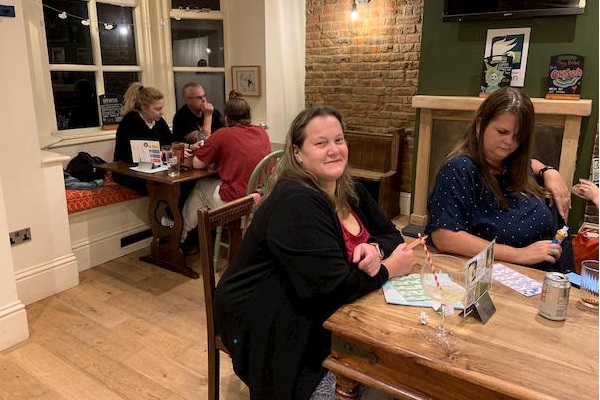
[(512, 42), (246, 79)]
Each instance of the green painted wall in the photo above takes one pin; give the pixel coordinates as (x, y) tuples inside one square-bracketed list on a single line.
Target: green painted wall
[(452, 52)]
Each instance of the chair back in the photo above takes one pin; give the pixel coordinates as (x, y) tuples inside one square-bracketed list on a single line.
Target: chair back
[(231, 215), (259, 180)]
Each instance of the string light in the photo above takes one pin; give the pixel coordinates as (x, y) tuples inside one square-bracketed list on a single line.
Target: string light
[(84, 21)]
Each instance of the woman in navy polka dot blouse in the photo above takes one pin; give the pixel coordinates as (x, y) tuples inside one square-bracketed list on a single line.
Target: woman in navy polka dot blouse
[(487, 188)]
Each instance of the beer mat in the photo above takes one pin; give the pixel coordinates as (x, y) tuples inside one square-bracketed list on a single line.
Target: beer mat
[(516, 280)]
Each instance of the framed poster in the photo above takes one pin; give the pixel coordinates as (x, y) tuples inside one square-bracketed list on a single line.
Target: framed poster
[(512, 42), (246, 79)]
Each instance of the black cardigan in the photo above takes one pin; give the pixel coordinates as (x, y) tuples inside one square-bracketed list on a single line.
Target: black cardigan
[(290, 275)]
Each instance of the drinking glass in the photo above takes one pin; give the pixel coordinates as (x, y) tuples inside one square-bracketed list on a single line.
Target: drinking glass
[(163, 152), (446, 283), (588, 289), (172, 163)]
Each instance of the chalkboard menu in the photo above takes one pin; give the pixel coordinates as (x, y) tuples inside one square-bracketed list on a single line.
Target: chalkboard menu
[(565, 77), (110, 108)]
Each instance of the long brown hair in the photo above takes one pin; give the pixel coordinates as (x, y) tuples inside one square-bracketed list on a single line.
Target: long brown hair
[(137, 97), (511, 101), (288, 167)]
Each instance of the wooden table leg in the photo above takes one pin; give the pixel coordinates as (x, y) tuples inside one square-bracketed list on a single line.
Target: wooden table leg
[(346, 388), (165, 251)]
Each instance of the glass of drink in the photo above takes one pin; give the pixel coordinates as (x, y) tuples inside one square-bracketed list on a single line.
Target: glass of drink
[(588, 289), (163, 152), (444, 280), (172, 163), (179, 149)]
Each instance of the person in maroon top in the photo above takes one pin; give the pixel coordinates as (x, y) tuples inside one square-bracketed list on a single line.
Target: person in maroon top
[(234, 151)]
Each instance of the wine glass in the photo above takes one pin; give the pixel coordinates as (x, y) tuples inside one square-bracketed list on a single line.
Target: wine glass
[(447, 284)]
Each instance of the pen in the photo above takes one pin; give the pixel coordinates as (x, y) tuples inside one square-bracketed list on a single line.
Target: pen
[(415, 243)]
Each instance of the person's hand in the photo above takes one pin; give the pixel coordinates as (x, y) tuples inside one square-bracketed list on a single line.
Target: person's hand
[(367, 257), (188, 157), (400, 262), (561, 196), (208, 109), (537, 252), (588, 190)]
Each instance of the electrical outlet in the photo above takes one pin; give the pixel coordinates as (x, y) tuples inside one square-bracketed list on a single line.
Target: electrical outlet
[(20, 236), (7, 11)]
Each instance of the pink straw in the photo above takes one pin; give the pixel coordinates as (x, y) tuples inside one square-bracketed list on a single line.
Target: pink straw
[(428, 256)]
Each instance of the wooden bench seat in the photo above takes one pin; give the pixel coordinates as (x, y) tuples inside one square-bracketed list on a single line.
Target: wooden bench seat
[(375, 159)]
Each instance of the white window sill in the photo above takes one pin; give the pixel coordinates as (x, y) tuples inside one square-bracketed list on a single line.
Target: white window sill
[(58, 140)]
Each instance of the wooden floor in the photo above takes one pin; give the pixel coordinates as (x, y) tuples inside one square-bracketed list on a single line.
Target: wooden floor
[(128, 331)]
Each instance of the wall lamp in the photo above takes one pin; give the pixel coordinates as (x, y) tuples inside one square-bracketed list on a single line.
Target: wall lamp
[(354, 10)]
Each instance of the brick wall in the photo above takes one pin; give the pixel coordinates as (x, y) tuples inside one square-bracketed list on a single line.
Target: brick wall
[(368, 69)]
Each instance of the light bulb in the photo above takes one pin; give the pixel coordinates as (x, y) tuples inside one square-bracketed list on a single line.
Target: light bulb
[(108, 26), (62, 15), (85, 22), (354, 11)]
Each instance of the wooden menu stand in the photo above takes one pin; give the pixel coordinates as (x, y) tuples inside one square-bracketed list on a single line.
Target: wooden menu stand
[(437, 109)]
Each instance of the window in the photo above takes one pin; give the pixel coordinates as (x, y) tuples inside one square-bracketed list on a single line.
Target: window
[(86, 63), (197, 46)]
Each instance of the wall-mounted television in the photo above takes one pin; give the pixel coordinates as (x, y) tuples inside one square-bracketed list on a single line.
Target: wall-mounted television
[(464, 10)]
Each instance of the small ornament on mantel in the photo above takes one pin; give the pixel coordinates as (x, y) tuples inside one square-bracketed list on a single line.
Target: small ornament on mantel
[(565, 77), (497, 71)]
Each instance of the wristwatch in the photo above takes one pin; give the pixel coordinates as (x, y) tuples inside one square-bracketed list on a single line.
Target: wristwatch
[(543, 170), (379, 249)]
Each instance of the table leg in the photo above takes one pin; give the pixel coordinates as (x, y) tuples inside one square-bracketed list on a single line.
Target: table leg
[(164, 250), (346, 388)]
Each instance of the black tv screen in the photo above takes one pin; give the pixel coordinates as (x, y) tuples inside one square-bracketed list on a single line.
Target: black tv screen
[(463, 10)]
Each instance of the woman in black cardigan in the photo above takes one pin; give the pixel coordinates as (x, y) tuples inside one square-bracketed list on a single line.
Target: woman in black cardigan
[(316, 242)]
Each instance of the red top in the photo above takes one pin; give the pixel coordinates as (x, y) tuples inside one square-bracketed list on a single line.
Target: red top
[(235, 150), (351, 240)]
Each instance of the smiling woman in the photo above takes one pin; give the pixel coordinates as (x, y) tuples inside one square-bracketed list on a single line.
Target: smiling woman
[(316, 241)]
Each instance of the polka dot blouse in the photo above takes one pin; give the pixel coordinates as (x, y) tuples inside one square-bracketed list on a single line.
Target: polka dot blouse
[(461, 201)]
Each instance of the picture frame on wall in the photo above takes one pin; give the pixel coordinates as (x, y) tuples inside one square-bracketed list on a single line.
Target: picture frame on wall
[(513, 42), (246, 79)]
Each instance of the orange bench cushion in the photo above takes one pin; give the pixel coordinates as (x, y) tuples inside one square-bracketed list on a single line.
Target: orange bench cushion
[(109, 193)]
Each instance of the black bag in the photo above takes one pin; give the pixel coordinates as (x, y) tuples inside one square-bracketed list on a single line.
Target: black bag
[(83, 167)]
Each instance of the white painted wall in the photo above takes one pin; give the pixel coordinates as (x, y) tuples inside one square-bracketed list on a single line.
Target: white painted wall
[(32, 185)]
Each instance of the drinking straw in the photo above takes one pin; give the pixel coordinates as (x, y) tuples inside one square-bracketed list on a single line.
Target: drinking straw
[(428, 257)]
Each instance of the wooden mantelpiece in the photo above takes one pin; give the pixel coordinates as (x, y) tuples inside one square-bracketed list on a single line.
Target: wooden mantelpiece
[(564, 113)]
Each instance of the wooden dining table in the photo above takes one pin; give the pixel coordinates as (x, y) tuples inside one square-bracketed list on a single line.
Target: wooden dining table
[(163, 192), (517, 354)]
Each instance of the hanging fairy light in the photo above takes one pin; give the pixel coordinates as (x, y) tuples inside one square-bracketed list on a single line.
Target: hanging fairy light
[(84, 21)]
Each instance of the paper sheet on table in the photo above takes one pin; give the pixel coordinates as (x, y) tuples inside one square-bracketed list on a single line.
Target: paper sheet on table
[(148, 169), (515, 280), (407, 291)]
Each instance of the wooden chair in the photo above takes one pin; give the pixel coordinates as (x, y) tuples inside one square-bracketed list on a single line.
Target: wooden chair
[(230, 215), (258, 182)]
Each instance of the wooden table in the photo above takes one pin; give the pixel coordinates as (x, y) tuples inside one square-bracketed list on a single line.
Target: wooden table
[(164, 190), (516, 355)]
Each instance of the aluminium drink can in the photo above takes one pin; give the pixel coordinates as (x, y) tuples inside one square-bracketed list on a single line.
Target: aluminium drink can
[(555, 296)]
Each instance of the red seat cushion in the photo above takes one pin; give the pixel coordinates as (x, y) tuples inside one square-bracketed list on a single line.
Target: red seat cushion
[(109, 193)]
